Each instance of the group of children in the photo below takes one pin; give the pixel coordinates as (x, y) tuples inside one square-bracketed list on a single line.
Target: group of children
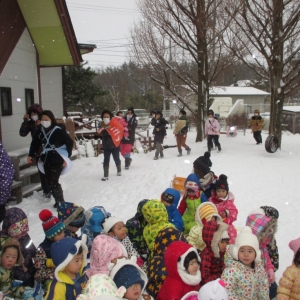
[(171, 249)]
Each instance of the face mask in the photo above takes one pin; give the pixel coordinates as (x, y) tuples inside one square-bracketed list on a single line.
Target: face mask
[(106, 120), (153, 115), (128, 117), (34, 118), (46, 124), (255, 114), (210, 119)]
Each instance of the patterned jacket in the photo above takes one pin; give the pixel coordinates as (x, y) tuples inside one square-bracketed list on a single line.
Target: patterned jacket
[(242, 282), (289, 284), (6, 284)]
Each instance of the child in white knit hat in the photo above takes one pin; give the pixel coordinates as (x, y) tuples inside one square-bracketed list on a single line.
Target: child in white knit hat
[(244, 275)]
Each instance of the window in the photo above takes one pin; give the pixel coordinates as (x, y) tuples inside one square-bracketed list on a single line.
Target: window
[(29, 98), (6, 103)]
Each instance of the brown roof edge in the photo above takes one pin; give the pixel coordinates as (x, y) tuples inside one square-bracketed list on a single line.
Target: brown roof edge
[(65, 19)]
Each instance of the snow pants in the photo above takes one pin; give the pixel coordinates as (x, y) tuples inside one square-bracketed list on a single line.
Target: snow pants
[(257, 136), (52, 172)]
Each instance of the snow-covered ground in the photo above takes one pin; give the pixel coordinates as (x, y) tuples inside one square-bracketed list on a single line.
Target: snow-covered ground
[(255, 177)]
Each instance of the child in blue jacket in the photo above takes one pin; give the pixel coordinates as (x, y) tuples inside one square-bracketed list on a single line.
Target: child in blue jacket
[(170, 198)]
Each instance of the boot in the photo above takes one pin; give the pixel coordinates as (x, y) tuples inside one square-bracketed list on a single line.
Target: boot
[(188, 151), (119, 170), (127, 163), (161, 154), (105, 177), (155, 157), (180, 153)]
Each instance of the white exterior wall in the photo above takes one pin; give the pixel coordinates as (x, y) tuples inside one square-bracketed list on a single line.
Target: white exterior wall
[(19, 73), (52, 90)]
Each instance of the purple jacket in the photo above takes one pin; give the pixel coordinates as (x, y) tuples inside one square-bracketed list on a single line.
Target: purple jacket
[(212, 127), (6, 175)]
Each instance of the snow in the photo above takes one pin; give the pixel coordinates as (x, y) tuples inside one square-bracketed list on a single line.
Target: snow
[(292, 108), (255, 177), (236, 90)]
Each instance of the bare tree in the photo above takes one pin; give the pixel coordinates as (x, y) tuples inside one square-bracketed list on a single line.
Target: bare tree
[(174, 37), (265, 36)]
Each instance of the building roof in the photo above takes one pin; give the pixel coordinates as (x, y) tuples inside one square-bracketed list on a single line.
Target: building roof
[(292, 108), (236, 91), (86, 48)]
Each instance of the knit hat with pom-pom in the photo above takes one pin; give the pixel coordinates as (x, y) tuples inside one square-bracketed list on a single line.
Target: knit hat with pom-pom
[(203, 163), (51, 224), (222, 183)]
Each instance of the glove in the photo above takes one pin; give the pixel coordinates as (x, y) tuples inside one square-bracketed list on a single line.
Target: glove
[(271, 276)]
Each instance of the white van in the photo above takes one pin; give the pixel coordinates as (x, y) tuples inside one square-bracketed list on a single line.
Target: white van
[(141, 115)]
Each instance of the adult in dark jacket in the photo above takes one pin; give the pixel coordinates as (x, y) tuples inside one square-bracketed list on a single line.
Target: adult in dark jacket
[(57, 148), (15, 225), (6, 180), (132, 122), (31, 124), (159, 132)]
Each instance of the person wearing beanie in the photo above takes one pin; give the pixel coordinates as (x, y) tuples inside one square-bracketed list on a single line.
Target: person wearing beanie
[(206, 211), (289, 283), (244, 275), (215, 235), (72, 216), (69, 257), (170, 198), (11, 256), (207, 177), (54, 231), (159, 132), (224, 201), (115, 228), (128, 274), (212, 132), (192, 198), (182, 263), (256, 123), (180, 131)]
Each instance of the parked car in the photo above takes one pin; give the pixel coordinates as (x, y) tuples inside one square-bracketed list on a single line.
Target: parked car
[(142, 116)]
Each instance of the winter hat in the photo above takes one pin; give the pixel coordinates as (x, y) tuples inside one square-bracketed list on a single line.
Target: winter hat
[(295, 245), (95, 217), (222, 183), (63, 251), (213, 290), (206, 211), (259, 224), (225, 235), (109, 223), (203, 163), (51, 224), (13, 242), (170, 196), (270, 212), (35, 108), (101, 287), (71, 214), (193, 295), (245, 238)]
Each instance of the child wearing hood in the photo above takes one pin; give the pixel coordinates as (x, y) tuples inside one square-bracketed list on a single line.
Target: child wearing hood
[(170, 198), (244, 275), (224, 201), (192, 198), (182, 263), (126, 273), (15, 225)]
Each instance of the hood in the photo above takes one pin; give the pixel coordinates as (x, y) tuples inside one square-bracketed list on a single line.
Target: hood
[(193, 177), (140, 208), (35, 108), (164, 238), (154, 211), (257, 110), (270, 211), (212, 234), (176, 196), (6, 242), (94, 218)]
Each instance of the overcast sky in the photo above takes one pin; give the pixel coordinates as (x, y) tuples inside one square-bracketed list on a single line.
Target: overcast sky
[(107, 24)]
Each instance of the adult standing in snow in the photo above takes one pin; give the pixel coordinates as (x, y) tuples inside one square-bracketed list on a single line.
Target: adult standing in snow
[(212, 131), (6, 180), (256, 123), (132, 122), (31, 124), (180, 131), (159, 132)]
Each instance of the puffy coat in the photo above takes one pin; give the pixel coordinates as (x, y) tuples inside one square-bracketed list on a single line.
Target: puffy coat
[(178, 282), (242, 282), (156, 269), (212, 127), (256, 122), (289, 284), (159, 134), (132, 124)]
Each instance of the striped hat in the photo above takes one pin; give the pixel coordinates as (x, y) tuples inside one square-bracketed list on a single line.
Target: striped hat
[(206, 211), (51, 224)]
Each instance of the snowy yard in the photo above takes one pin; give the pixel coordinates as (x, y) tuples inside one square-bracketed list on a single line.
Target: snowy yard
[(255, 177)]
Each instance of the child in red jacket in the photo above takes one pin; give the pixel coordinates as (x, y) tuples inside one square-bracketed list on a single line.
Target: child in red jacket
[(182, 263)]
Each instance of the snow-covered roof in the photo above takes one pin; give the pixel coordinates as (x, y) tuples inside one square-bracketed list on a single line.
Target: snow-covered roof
[(292, 108), (236, 90)]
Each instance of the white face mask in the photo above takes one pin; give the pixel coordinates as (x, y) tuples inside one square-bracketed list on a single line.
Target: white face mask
[(34, 118), (46, 124), (129, 117), (153, 115), (106, 120), (210, 119), (256, 114)]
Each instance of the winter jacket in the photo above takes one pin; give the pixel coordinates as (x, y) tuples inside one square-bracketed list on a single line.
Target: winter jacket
[(245, 283), (178, 282), (289, 284), (156, 269), (256, 123), (212, 260), (208, 183), (135, 227), (131, 251), (16, 224), (212, 127), (229, 207), (6, 175), (132, 124), (159, 134), (156, 216), (6, 284), (58, 138)]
